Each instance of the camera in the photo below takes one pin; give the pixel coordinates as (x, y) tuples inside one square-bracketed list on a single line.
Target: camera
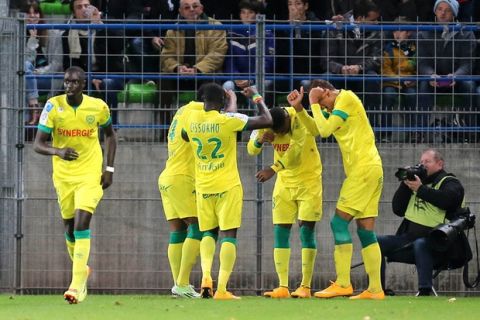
[(445, 234), (408, 173)]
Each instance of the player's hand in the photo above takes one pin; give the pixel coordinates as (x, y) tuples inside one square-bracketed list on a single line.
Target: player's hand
[(68, 154), (231, 97), (315, 95), (414, 185), (265, 174), (267, 136), (295, 97), (107, 178), (242, 84), (250, 91)]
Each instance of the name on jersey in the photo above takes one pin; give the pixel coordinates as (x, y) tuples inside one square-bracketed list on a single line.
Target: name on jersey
[(75, 132), (210, 166), (204, 127), (281, 147)]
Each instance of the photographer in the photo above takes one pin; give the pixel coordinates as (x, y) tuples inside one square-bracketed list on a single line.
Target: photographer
[(424, 198)]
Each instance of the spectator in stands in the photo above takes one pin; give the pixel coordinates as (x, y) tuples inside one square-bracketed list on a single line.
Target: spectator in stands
[(399, 59), (444, 55), (43, 56), (424, 203), (225, 11), (240, 60), (298, 51), (189, 52), (358, 53), (76, 47), (146, 44)]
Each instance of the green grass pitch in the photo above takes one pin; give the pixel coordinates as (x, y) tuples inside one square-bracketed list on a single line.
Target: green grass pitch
[(137, 307)]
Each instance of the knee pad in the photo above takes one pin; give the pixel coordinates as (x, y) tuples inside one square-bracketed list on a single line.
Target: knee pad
[(307, 237), (194, 232), (213, 234), (367, 237), (281, 237), (177, 236), (341, 235)]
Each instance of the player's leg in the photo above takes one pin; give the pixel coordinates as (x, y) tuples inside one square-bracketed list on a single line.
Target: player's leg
[(69, 237), (284, 213), (372, 258), (342, 256), (87, 196), (178, 234), (190, 252), (281, 258), (229, 211), (208, 224), (207, 253), (80, 270), (309, 212), (371, 253)]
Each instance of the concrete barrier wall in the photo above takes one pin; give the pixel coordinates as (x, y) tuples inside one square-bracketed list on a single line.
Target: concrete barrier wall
[(130, 235)]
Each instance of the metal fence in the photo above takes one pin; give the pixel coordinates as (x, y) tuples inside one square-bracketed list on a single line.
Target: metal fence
[(130, 234)]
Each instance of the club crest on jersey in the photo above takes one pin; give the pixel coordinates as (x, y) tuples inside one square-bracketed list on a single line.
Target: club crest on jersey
[(90, 119)]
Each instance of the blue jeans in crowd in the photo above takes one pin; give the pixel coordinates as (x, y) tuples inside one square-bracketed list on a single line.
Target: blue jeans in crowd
[(33, 86), (109, 90)]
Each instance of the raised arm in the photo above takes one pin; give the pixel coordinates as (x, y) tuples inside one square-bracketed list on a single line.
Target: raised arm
[(263, 119)]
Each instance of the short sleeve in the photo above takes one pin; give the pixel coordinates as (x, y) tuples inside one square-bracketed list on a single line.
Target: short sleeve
[(47, 118)]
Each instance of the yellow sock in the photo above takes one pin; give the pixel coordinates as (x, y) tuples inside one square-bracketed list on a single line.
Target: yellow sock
[(343, 260), (207, 251), (228, 255), (80, 259), (281, 256), (308, 262), (190, 251), (70, 241), (175, 259), (372, 258)]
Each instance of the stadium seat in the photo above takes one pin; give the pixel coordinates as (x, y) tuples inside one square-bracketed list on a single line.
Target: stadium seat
[(138, 93), (54, 8)]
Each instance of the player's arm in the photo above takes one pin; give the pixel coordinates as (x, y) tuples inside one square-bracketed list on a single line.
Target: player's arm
[(294, 98), (231, 101), (41, 146), (326, 126), (291, 157), (111, 145), (263, 119), (257, 139)]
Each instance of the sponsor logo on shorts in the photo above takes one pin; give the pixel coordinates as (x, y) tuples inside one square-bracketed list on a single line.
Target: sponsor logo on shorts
[(213, 195)]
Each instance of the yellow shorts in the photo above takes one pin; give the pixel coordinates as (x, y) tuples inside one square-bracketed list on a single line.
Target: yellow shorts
[(222, 210), (361, 192), (178, 196), (302, 203), (73, 195)]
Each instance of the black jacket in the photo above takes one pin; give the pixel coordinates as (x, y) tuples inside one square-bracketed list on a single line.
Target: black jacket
[(448, 197)]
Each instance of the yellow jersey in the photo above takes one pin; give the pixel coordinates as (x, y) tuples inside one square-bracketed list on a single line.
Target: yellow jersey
[(296, 157), (180, 156), (348, 122), (77, 128), (213, 139)]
